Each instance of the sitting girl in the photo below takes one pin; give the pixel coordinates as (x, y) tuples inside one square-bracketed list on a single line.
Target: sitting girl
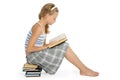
[(37, 51)]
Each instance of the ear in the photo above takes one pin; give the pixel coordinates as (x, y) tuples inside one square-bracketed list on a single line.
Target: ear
[(47, 16)]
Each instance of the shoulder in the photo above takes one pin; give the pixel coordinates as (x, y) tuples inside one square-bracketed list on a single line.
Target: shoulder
[(36, 28)]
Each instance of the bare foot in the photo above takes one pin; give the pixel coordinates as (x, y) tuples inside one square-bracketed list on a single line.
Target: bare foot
[(89, 72)]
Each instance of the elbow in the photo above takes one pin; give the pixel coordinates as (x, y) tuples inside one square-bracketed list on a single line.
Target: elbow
[(29, 49)]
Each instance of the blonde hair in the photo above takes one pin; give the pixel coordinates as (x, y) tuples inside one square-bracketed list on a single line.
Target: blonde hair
[(48, 8)]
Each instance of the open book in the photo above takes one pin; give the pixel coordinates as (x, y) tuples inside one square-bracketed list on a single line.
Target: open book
[(57, 40)]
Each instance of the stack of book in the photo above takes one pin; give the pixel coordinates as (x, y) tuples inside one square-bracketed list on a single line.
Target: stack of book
[(32, 70)]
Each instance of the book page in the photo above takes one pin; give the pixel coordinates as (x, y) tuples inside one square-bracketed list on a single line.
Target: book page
[(55, 39)]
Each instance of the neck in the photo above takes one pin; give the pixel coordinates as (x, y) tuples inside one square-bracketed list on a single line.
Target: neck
[(42, 22)]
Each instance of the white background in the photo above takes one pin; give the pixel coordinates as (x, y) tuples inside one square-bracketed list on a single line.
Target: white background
[(92, 28)]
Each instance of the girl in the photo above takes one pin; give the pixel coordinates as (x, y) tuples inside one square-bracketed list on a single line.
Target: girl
[(50, 59)]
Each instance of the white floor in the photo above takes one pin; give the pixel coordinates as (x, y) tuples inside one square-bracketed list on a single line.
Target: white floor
[(67, 72)]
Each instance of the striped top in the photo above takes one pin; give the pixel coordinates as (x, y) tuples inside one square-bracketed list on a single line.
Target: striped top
[(40, 40)]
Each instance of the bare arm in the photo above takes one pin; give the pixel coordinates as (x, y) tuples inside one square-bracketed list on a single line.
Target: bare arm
[(36, 31)]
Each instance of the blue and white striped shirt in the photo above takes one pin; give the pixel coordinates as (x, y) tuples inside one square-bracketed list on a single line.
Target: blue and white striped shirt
[(40, 40)]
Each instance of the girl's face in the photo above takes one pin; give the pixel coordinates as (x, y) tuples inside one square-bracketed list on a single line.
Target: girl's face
[(52, 18)]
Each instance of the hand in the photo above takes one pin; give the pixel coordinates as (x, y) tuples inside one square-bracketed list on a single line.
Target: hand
[(45, 47), (52, 42)]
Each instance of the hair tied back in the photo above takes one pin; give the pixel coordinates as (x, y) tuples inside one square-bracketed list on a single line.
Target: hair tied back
[(53, 8)]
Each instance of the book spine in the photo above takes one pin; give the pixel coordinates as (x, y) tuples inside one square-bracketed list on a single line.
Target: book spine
[(28, 73), (33, 75)]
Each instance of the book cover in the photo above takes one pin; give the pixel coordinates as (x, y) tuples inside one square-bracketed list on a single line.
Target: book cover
[(26, 65), (57, 40), (32, 69), (33, 72), (32, 75)]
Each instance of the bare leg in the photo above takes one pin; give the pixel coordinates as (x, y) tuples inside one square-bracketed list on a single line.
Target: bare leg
[(71, 57)]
